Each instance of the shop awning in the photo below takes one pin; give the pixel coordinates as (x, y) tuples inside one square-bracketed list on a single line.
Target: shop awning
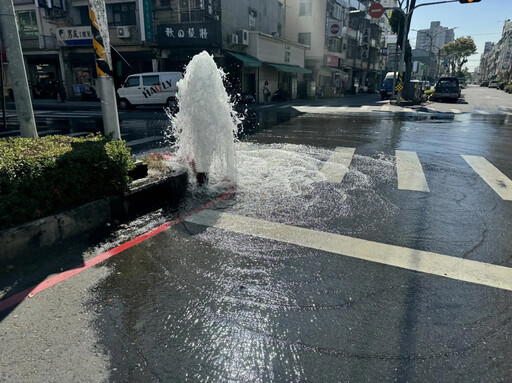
[(289, 68), (248, 61)]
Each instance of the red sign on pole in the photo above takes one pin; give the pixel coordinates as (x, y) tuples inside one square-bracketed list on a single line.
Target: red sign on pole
[(376, 10)]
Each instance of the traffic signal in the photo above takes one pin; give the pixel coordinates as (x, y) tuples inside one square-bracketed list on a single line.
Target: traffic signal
[(468, 1)]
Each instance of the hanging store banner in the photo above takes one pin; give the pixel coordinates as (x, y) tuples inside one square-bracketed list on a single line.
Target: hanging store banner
[(146, 17), (74, 36), (190, 34), (332, 60)]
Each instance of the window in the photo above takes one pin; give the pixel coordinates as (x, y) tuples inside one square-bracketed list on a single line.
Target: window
[(252, 19), (337, 12), (27, 23), (150, 80), (305, 39), (305, 8), (132, 81), (80, 16), (121, 14), (335, 44)]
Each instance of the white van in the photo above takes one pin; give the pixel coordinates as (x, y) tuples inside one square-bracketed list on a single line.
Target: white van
[(153, 88)]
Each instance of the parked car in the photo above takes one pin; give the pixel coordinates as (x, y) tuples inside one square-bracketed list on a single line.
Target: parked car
[(152, 88), (446, 88), (484, 83), (493, 84), (386, 89)]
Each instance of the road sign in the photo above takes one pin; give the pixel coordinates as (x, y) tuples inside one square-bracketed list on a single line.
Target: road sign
[(376, 10)]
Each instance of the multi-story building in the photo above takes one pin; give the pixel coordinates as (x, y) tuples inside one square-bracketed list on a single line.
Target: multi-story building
[(344, 46), (496, 60), (244, 36), (433, 39)]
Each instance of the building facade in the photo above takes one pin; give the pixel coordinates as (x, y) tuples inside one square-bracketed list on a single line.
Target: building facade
[(496, 60), (344, 53), (157, 35)]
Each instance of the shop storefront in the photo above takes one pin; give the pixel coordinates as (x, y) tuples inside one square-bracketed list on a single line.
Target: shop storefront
[(282, 65)]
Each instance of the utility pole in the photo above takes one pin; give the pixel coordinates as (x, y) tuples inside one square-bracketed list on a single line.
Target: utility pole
[(2, 92), (107, 91), (18, 75)]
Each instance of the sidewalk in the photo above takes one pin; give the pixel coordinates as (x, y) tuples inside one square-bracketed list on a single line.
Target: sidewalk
[(51, 104)]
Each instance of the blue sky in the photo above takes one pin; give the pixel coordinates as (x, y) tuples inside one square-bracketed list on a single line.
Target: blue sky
[(483, 21)]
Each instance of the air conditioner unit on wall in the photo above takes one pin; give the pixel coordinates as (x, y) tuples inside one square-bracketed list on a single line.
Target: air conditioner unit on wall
[(234, 38), (123, 32), (243, 37)]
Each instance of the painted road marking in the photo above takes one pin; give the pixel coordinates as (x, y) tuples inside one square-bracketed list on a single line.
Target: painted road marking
[(456, 111), (385, 108), (417, 260), (498, 181), (410, 172), (337, 165), (365, 107), (15, 299), (480, 111), (284, 106)]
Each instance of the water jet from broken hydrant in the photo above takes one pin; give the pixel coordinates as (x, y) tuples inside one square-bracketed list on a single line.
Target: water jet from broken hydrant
[(206, 125)]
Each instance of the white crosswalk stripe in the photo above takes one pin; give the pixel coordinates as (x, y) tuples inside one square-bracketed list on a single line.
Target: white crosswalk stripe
[(410, 172), (396, 256), (498, 181), (337, 165)]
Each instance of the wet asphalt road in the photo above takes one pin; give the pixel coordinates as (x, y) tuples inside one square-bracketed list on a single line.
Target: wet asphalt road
[(198, 303)]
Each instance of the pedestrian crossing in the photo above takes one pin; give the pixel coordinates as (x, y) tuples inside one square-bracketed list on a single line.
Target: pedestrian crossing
[(409, 170), (393, 109)]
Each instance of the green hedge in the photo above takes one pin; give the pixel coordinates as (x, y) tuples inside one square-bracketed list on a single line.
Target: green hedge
[(43, 176)]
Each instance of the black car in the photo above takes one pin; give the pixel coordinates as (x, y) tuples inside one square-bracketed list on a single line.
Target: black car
[(447, 88)]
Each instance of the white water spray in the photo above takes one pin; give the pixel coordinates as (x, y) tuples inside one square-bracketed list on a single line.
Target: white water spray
[(206, 125)]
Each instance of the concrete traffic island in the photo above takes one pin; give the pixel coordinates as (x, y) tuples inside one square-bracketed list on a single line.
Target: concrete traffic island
[(145, 195)]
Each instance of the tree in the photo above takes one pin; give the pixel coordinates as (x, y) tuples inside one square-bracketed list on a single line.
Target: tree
[(458, 52)]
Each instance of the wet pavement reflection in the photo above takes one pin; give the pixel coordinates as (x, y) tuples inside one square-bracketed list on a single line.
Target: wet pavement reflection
[(198, 304)]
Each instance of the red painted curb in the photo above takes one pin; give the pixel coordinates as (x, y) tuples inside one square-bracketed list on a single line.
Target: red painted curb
[(47, 283)]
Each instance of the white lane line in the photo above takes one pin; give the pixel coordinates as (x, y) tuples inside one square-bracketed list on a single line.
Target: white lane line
[(365, 107), (498, 181), (410, 172), (337, 165), (456, 111), (417, 260), (480, 111), (284, 106), (385, 108)]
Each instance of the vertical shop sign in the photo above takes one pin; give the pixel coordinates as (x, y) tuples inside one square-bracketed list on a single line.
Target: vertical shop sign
[(146, 20)]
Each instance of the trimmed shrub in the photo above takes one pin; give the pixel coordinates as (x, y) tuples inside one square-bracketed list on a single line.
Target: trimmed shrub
[(43, 176)]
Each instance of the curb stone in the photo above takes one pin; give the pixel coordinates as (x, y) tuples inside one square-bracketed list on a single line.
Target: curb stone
[(29, 238)]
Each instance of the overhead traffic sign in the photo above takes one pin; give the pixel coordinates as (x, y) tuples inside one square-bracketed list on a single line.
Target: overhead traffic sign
[(376, 10)]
